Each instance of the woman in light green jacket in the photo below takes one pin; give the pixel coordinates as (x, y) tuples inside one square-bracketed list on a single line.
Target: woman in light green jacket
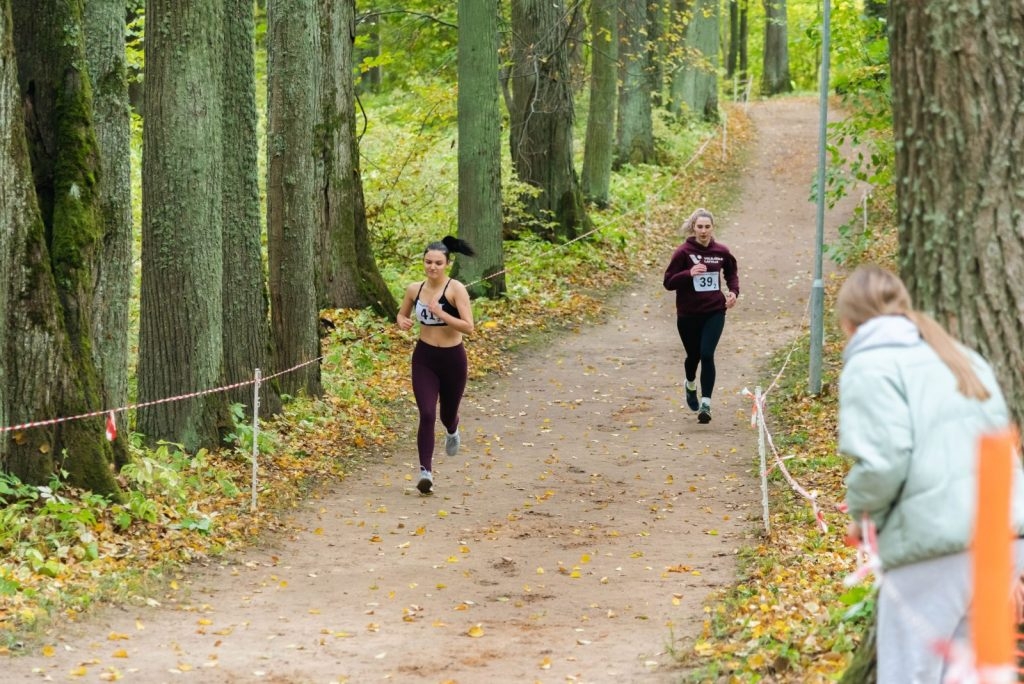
[(912, 406)]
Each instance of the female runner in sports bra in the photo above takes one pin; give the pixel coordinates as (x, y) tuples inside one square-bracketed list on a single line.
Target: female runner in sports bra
[(439, 369)]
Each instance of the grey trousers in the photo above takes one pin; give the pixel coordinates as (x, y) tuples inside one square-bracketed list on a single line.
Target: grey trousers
[(919, 605)]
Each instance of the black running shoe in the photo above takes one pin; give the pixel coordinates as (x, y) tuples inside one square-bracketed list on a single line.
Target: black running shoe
[(704, 415), (691, 398)]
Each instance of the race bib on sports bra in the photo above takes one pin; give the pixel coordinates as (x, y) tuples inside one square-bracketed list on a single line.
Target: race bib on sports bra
[(706, 282)]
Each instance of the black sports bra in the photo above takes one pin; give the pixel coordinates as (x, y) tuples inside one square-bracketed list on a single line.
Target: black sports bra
[(423, 314)]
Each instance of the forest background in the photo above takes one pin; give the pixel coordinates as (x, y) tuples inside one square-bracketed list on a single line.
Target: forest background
[(298, 155)]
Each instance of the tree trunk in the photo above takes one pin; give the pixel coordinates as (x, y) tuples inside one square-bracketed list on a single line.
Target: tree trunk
[(105, 51), (181, 325), (604, 66), (15, 200), (479, 122), (775, 77), (657, 51), (348, 273), (292, 103), (734, 39), (246, 329), (635, 141), (744, 40), (958, 90), (55, 249), (542, 116), (697, 89)]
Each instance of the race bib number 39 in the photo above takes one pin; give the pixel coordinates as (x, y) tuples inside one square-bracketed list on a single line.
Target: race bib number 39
[(706, 282)]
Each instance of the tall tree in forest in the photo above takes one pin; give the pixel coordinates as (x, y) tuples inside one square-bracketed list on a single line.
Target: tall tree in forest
[(695, 85), (181, 333), (347, 276), (635, 131), (604, 67), (479, 123), (16, 198), (657, 50), (245, 310), (293, 56), (958, 90), (542, 113), (775, 78), (54, 240), (736, 60), (104, 27)]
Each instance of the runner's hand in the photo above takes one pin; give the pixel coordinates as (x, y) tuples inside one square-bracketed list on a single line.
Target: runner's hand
[(730, 300)]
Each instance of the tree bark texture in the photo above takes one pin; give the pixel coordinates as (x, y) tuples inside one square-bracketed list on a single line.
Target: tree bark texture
[(55, 251), (15, 199), (245, 305), (348, 276), (958, 86), (181, 329), (599, 147), (104, 22), (635, 141), (775, 78), (292, 104), (479, 122), (542, 116), (657, 50), (698, 86)]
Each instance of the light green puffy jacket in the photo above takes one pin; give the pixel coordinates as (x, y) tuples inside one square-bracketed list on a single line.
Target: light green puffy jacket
[(914, 442)]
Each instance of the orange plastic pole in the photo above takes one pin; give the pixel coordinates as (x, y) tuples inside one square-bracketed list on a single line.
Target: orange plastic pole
[(991, 610)]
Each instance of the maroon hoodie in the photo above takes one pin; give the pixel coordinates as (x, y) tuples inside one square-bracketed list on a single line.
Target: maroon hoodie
[(701, 293)]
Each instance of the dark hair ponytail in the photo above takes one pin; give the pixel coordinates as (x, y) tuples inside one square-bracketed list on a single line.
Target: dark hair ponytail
[(449, 244)]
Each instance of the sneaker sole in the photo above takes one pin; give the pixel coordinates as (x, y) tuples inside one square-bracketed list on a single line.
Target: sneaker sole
[(425, 486), (704, 418)]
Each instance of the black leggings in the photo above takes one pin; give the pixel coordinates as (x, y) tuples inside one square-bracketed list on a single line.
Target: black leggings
[(700, 335), (437, 373)]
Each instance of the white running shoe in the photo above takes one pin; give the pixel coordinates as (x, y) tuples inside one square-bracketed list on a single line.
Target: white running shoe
[(426, 483), (452, 443)]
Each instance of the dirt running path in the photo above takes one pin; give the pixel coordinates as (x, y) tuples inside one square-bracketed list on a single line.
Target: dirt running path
[(581, 527)]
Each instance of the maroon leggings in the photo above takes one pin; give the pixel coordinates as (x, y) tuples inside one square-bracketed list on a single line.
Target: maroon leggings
[(437, 373)]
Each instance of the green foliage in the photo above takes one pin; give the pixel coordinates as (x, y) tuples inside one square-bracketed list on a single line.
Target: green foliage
[(241, 434), (418, 35)]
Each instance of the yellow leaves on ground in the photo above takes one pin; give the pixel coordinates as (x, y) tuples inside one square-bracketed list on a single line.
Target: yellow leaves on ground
[(476, 631)]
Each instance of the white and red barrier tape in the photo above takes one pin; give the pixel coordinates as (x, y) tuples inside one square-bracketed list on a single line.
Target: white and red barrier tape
[(111, 425)]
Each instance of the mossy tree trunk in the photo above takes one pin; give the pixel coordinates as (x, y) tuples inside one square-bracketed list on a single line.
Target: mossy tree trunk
[(347, 275), (696, 86), (246, 328), (105, 51), (635, 134), (56, 241), (181, 328), (775, 78), (542, 115), (604, 89), (292, 102), (480, 148), (958, 92)]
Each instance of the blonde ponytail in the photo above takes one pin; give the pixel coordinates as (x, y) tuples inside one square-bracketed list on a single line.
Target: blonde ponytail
[(872, 291), (967, 381)]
